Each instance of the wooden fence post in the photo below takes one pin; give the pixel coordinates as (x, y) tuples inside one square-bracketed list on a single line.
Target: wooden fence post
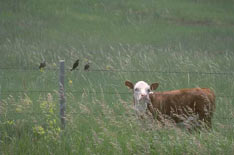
[(0, 94), (62, 94)]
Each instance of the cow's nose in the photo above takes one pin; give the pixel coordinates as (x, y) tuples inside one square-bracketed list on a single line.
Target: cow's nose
[(143, 95)]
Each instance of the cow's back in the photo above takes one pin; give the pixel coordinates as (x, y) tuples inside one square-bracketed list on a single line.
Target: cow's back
[(198, 100)]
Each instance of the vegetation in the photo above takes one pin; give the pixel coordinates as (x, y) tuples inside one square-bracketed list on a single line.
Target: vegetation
[(183, 43)]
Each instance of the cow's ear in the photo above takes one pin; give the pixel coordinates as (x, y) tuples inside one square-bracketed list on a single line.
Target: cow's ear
[(154, 86), (129, 84)]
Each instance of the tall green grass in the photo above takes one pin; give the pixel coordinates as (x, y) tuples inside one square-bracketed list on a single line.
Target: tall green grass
[(134, 35)]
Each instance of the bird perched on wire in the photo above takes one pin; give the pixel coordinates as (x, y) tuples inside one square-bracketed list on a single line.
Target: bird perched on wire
[(86, 67), (42, 65), (75, 65)]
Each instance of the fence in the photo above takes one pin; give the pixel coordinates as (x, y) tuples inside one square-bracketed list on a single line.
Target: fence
[(120, 70), (61, 91)]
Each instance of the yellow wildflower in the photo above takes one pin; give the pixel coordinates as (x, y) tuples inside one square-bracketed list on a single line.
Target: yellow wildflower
[(42, 70), (38, 130), (54, 64)]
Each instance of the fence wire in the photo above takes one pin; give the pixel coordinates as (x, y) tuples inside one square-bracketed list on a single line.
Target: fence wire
[(76, 113), (9, 92), (127, 71)]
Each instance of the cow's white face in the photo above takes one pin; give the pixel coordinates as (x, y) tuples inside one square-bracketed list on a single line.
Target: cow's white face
[(141, 91)]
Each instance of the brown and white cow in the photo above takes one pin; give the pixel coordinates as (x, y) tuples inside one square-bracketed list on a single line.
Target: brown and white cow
[(176, 104)]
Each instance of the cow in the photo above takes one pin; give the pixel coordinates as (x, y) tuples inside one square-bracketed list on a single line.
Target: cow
[(177, 105)]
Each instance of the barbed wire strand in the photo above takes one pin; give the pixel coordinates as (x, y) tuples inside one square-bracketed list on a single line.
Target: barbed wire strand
[(71, 113), (81, 92), (131, 71)]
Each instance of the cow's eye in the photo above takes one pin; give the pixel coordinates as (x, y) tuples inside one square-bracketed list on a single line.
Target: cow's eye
[(136, 89), (148, 90)]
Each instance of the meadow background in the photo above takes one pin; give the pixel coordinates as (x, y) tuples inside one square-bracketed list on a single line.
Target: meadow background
[(180, 44)]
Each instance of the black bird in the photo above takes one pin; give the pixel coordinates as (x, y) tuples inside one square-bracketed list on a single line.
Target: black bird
[(86, 67), (75, 64), (42, 65)]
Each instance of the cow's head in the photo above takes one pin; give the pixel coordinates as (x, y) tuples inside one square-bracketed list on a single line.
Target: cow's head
[(141, 91)]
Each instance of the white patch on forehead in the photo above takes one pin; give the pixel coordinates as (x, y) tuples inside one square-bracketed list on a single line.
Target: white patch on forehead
[(141, 85)]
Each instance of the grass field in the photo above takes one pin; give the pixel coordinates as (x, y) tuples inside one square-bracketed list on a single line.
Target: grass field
[(185, 43)]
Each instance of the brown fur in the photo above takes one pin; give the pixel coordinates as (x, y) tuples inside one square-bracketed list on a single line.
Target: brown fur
[(183, 103)]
